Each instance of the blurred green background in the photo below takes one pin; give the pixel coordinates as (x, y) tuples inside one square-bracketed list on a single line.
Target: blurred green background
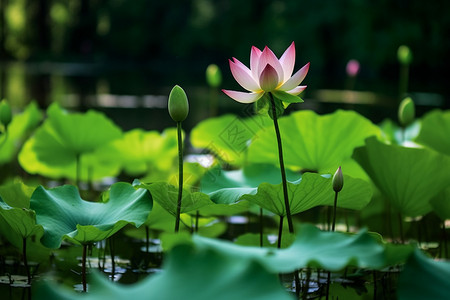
[(130, 53)]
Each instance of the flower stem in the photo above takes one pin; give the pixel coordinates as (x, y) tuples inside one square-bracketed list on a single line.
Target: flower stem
[(333, 226), (180, 177), (283, 172)]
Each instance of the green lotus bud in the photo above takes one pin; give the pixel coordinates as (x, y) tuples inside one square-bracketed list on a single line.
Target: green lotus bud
[(404, 55), (338, 180), (213, 76), (406, 112), (5, 113), (178, 104)]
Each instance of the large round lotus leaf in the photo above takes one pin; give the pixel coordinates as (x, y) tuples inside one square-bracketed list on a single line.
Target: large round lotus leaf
[(15, 209), (142, 151), (312, 248), (18, 129), (55, 146), (311, 191), (94, 165), (435, 131), (64, 215), (227, 187), (441, 204), (166, 196), (228, 136), (424, 278), (313, 142), (409, 177), (161, 220), (188, 274)]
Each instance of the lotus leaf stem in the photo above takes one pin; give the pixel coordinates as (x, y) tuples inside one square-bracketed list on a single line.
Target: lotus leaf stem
[(147, 239), (25, 261), (400, 224), (280, 232), (78, 170), (113, 263), (261, 227), (83, 268)]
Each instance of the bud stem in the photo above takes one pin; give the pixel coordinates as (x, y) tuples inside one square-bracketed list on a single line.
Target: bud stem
[(180, 176), (333, 226), (403, 81), (283, 172)]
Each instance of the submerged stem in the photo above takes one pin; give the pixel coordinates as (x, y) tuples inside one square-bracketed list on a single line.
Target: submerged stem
[(180, 177), (283, 172)]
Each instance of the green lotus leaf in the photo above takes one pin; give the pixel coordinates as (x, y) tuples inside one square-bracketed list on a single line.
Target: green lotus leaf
[(162, 221), (441, 204), (409, 177), (228, 136), (207, 227), (434, 131), (253, 239), (64, 215), (166, 196), (15, 209), (313, 142), (228, 186), (94, 166), (18, 130), (199, 274), (310, 191), (424, 278), (312, 248), (55, 146), (142, 152)]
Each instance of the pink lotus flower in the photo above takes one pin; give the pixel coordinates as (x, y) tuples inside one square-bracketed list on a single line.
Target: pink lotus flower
[(352, 67), (267, 73)]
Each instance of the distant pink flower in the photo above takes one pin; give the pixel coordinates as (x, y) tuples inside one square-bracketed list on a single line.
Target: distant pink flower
[(352, 68), (267, 73)]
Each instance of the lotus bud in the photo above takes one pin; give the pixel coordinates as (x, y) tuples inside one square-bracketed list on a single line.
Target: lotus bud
[(404, 55), (338, 180), (352, 68), (268, 80), (5, 113), (406, 112), (178, 104), (213, 76)]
